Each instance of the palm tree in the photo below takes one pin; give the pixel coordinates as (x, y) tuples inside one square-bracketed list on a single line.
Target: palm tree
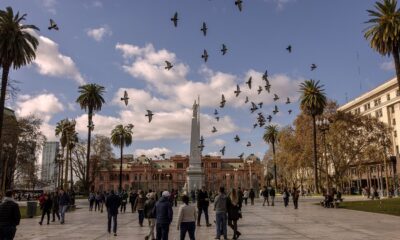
[(313, 102), (62, 131), (384, 31), (271, 136), (121, 136), (91, 100), (17, 49), (72, 141)]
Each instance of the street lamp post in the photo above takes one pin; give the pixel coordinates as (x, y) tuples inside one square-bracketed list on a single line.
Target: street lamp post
[(236, 182), (7, 150), (159, 177), (250, 161), (168, 178), (323, 126)]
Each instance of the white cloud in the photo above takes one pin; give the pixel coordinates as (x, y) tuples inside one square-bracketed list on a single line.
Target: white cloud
[(219, 142), (50, 5), (152, 152), (387, 66), (280, 4), (97, 4), (99, 33), (50, 62)]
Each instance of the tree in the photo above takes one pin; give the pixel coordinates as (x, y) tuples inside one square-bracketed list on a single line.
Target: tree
[(313, 102), (121, 136), (78, 161), (17, 49), (270, 137), (101, 157), (66, 130), (72, 141), (62, 131), (383, 32), (91, 100)]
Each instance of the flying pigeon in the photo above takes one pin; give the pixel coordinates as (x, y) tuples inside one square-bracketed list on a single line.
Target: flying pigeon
[(224, 49), (249, 82), (237, 139), (268, 87), (313, 67), (215, 112), (223, 101), (53, 25), (253, 107), (237, 92), (265, 76), (217, 119), (259, 89), (222, 151), (275, 110), (290, 111), (169, 65), (247, 99), (276, 98), (201, 147), (269, 118), (149, 115), (260, 104), (162, 155), (289, 48), (175, 19), (125, 98), (238, 3), (255, 125), (205, 55), (204, 29), (241, 156), (214, 130), (287, 100), (202, 139), (248, 144)]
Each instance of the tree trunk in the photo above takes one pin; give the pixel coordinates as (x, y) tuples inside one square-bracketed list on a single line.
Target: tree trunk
[(120, 167), (315, 155), (87, 178), (397, 64), (4, 79), (273, 151), (66, 168), (70, 165)]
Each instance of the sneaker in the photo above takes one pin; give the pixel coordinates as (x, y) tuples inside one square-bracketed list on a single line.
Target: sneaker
[(40, 223), (146, 238), (115, 234), (209, 225)]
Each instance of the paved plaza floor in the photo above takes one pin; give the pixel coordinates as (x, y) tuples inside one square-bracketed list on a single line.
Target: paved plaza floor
[(308, 222)]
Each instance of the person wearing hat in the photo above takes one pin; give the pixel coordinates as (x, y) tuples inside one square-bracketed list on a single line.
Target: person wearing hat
[(149, 214), (164, 214)]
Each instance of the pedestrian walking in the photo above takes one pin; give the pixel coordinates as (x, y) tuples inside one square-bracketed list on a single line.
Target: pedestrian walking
[(240, 195), (55, 206), (285, 196), (265, 194), (112, 203), (220, 209), (132, 198), (97, 202), (124, 200), (149, 212), (245, 196), (295, 196), (234, 212), (46, 208), (9, 217), (139, 207), (203, 202), (91, 199), (63, 204), (164, 214), (252, 195), (272, 195), (187, 219), (193, 196)]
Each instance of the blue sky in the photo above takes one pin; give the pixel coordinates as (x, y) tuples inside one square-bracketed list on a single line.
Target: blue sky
[(122, 45)]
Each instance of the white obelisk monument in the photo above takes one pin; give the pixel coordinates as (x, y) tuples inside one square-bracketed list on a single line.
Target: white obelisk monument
[(195, 176)]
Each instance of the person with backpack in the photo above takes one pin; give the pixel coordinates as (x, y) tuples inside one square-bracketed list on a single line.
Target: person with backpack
[(220, 209), (124, 200), (187, 219), (139, 206), (46, 205), (112, 203), (149, 214), (252, 195)]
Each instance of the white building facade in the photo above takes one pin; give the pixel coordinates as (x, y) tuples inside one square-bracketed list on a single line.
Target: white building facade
[(49, 169)]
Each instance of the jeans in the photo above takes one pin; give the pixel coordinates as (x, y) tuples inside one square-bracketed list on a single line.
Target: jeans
[(162, 231), (286, 201), (55, 213), (200, 210), (7, 232), (112, 217), (141, 216), (152, 223), (97, 205), (189, 227), (245, 201), (123, 207), (63, 209), (266, 199), (221, 224)]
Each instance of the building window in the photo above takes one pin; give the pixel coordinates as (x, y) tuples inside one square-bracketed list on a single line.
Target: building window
[(392, 108), (377, 102), (179, 165), (378, 113), (397, 93), (397, 149), (395, 133), (214, 165), (394, 121), (357, 111), (388, 96), (367, 106), (101, 178)]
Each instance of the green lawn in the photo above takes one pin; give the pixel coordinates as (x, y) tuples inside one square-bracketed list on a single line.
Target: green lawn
[(387, 206)]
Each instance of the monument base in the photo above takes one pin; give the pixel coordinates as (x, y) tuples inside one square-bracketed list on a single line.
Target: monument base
[(194, 179)]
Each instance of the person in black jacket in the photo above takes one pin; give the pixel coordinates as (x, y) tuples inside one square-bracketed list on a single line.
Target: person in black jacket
[(55, 207), (234, 212), (202, 205), (252, 195), (46, 208), (149, 214), (9, 217), (112, 203), (63, 203), (132, 198)]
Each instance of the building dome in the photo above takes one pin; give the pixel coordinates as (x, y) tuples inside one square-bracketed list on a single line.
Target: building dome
[(253, 158)]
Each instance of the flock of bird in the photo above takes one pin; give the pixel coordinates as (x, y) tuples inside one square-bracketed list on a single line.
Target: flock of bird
[(260, 119)]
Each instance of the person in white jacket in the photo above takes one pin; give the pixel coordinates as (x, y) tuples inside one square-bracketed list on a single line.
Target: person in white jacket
[(187, 219)]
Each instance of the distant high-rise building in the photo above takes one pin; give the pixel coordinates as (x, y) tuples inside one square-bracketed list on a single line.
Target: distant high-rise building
[(49, 170)]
